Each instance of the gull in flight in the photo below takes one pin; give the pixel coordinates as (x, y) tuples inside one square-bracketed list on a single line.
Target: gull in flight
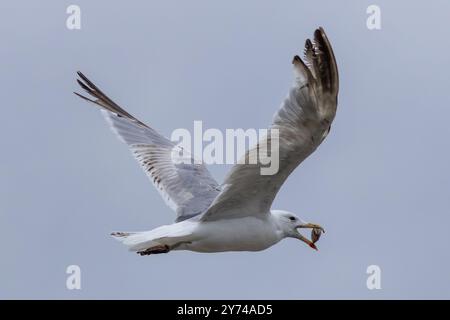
[(237, 215)]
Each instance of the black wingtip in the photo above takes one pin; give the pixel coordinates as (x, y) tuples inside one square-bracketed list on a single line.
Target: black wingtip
[(319, 34), (79, 73), (102, 99), (329, 74), (85, 87), (84, 98), (80, 95)]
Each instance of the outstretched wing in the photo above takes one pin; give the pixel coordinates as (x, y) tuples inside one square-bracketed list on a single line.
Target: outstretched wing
[(188, 188), (303, 121)]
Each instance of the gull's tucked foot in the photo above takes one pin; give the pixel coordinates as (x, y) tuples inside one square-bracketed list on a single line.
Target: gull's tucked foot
[(154, 250)]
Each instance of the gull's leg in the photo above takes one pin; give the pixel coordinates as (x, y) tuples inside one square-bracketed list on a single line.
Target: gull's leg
[(154, 250)]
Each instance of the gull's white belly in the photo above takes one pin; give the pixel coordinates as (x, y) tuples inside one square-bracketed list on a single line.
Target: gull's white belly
[(243, 234)]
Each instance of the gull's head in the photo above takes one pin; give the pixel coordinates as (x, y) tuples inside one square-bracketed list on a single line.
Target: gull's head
[(290, 224)]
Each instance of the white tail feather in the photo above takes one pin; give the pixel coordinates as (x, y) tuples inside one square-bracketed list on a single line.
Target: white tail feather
[(165, 235)]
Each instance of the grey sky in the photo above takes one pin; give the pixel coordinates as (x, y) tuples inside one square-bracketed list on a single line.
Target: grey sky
[(379, 184)]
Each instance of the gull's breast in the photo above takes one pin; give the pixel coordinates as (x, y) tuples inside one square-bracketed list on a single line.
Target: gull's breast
[(243, 234)]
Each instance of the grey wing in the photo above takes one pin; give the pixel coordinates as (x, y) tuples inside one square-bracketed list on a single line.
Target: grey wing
[(303, 121), (187, 187)]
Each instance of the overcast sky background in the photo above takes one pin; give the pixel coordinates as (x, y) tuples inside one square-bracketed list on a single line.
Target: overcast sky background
[(379, 184)]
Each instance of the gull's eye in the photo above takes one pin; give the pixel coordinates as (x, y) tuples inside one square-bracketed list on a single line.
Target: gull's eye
[(292, 218)]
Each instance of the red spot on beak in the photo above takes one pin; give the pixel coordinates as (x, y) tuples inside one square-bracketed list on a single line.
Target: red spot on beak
[(312, 245)]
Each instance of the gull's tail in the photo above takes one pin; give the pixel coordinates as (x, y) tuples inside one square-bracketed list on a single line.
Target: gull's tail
[(133, 240), (168, 235)]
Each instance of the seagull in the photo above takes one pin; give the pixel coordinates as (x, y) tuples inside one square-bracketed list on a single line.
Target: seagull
[(236, 215)]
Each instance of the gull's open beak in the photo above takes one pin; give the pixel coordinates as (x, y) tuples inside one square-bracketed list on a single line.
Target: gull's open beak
[(311, 226), (306, 240)]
